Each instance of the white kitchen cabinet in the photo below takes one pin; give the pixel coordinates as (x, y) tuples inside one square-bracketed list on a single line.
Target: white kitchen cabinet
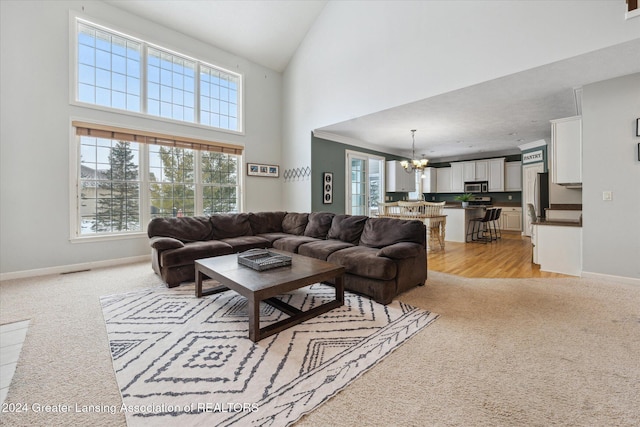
[(558, 249), (496, 174), (429, 180), (511, 219), (443, 180), (398, 180), (477, 170), (513, 176), (482, 170), (534, 243), (457, 177), (566, 151), (469, 171), (491, 170)]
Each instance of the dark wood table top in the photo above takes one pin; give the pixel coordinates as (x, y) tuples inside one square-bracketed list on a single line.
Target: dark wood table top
[(302, 270)]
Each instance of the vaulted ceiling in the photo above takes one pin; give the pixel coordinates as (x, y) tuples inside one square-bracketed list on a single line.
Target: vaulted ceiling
[(265, 32), (491, 117)]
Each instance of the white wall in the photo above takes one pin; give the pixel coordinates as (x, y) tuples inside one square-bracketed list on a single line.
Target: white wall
[(364, 57), (559, 194), (611, 229), (35, 130)]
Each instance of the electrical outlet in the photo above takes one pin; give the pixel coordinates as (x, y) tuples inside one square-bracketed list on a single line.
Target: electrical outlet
[(607, 195), (510, 197)]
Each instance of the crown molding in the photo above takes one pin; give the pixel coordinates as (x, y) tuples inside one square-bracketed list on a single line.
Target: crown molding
[(355, 142), (534, 144)]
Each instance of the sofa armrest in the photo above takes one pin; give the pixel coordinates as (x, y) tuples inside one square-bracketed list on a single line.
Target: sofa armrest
[(400, 250), (162, 243)]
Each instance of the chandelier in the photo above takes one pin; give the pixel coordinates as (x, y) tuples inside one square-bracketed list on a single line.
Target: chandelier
[(415, 163)]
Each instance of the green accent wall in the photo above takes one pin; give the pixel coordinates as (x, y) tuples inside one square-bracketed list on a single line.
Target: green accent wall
[(329, 156), (545, 155)]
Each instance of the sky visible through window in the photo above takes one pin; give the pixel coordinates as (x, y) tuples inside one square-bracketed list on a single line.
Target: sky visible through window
[(111, 74), (108, 70)]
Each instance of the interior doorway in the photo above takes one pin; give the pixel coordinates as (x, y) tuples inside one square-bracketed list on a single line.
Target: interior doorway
[(364, 183)]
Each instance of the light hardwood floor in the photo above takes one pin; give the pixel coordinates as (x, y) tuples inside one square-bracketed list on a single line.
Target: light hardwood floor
[(510, 256)]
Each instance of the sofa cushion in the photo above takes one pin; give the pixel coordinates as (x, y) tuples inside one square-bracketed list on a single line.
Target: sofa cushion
[(193, 251), (363, 261), (295, 223), (244, 243), (291, 243), (319, 224), (272, 237), (347, 228), (185, 229), (162, 243), (381, 232), (266, 222), (402, 250), (321, 249), (230, 225)]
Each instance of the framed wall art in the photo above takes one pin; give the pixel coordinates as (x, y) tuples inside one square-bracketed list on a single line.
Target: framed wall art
[(257, 169), (327, 188)]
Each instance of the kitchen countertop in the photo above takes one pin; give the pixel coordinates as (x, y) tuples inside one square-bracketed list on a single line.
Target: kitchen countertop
[(565, 207), (507, 205), (559, 222), (459, 206)]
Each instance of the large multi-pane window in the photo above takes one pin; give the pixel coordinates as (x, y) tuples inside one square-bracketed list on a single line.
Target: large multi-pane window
[(218, 98), (172, 181), (170, 86), (108, 69), (121, 72), (123, 183), (109, 185), (219, 183)]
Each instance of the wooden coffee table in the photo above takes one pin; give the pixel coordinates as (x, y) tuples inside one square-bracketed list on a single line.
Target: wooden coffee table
[(259, 286)]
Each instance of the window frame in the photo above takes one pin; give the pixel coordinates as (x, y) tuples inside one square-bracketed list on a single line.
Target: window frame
[(75, 18), (75, 180)]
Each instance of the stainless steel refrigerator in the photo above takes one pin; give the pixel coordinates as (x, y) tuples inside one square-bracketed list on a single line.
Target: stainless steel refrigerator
[(541, 190)]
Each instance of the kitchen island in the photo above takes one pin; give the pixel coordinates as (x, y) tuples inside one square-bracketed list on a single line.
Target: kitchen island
[(458, 221), (557, 245)]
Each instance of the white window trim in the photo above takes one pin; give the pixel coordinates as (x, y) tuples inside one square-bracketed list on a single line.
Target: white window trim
[(633, 14), (348, 154), (145, 215), (75, 16)]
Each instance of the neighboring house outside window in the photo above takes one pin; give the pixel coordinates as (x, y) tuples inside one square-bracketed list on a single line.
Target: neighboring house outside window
[(125, 179), (109, 186)]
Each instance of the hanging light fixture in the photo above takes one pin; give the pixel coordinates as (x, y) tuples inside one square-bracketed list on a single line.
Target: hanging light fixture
[(415, 163)]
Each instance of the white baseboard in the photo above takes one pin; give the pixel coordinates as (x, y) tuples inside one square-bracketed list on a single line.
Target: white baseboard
[(72, 267), (611, 278)]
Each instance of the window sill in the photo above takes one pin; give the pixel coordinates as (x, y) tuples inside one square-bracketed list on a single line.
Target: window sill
[(108, 237), (632, 14), (153, 118)]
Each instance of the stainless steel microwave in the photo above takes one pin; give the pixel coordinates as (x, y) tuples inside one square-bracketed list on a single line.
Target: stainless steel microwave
[(476, 187)]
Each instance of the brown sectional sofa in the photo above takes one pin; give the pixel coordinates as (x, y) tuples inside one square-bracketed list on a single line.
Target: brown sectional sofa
[(382, 256)]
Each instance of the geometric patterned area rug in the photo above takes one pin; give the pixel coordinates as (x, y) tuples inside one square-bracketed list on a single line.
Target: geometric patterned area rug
[(186, 361)]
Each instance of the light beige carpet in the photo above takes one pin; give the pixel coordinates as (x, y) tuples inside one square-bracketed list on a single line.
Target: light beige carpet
[(504, 352), (187, 361)]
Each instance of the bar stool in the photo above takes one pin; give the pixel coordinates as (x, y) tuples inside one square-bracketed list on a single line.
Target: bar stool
[(496, 224), (476, 225)]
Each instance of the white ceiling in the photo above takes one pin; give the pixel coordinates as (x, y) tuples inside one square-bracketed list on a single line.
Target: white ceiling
[(266, 32), (488, 118), (492, 117)]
